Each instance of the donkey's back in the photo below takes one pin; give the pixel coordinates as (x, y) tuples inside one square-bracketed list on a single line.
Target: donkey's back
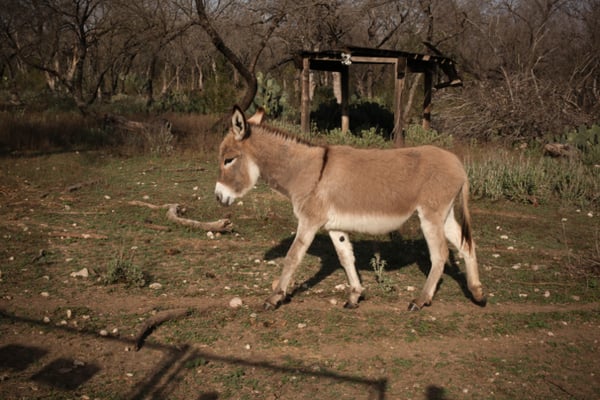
[(392, 182)]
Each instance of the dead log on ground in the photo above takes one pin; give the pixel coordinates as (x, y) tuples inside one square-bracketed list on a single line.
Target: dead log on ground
[(221, 225), (560, 150)]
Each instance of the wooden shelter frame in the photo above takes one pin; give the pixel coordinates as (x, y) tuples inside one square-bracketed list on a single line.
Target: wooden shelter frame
[(340, 61)]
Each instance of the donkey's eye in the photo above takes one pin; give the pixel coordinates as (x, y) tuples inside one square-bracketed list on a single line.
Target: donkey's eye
[(228, 161)]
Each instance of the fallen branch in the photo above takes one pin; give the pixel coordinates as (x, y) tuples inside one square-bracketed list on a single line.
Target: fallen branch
[(153, 322), (221, 225)]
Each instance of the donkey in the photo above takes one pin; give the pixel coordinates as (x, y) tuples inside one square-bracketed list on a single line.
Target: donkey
[(343, 189)]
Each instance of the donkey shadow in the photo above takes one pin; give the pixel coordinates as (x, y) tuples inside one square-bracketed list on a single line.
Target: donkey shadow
[(399, 253)]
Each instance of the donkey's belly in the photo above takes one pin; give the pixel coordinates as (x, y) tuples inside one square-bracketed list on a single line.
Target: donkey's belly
[(365, 223)]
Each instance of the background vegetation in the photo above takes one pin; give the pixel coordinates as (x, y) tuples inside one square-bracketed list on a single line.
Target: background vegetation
[(530, 70)]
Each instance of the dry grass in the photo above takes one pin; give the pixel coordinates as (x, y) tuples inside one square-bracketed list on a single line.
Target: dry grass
[(44, 132)]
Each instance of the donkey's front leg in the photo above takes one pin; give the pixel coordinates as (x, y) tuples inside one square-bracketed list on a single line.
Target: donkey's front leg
[(295, 254)]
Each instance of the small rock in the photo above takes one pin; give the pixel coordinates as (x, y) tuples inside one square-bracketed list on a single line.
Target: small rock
[(69, 314), (247, 347), (333, 302), (236, 302), (78, 363), (504, 237), (301, 326), (103, 332), (410, 288), (210, 235), (547, 294), (155, 286), (82, 273), (45, 294), (46, 320), (340, 287)]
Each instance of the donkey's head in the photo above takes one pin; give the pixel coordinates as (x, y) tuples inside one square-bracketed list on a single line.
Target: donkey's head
[(238, 172)]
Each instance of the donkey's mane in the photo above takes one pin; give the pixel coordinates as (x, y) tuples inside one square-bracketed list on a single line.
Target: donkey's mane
[(280, 134)]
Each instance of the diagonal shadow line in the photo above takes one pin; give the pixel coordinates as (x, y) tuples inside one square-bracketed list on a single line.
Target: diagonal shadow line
[(176, 357)]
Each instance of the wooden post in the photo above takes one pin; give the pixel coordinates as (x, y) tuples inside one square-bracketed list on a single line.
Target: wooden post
[(427, 99), (345, 108), (305, 99), (400, 74)]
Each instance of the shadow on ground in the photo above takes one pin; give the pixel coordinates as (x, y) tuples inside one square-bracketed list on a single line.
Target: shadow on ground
[(399, 253), (70, 375)]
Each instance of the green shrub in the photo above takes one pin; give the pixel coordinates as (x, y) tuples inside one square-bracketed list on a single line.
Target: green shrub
[(123, 270), (587, 141), (416, 135), (363, 115), (270, 95), (366, 138)]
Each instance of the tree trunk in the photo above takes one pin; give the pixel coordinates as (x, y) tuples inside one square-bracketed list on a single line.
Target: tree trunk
[(245, 72)]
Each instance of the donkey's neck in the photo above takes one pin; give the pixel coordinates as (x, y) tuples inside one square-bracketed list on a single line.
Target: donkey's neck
[(287, 165)]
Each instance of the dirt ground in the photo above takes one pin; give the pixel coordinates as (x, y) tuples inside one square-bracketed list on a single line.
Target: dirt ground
[(70, 337), (58, 360)]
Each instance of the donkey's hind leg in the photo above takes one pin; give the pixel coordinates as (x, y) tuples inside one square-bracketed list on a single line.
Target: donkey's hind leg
[(343, 248), (433, 230), (453, 232)]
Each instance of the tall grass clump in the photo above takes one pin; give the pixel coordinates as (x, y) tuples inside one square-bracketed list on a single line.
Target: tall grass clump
[(123, 270), (365, 138), (416, 135), (529, 178)]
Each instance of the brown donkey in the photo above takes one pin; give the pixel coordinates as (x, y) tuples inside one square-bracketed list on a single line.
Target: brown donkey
[(343, 189)]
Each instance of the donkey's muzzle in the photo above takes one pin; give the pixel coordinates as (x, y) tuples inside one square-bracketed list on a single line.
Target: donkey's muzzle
[(223, 194)]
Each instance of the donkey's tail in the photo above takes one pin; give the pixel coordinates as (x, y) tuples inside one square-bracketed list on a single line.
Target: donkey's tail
[(467, 237)]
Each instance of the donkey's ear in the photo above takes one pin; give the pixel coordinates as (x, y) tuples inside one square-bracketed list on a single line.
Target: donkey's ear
[(258, 116), (239, 124)]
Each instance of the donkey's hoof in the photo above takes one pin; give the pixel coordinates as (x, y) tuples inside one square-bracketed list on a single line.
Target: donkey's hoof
[(268, 306), (412, 306), (482, 302), (350, 306)]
